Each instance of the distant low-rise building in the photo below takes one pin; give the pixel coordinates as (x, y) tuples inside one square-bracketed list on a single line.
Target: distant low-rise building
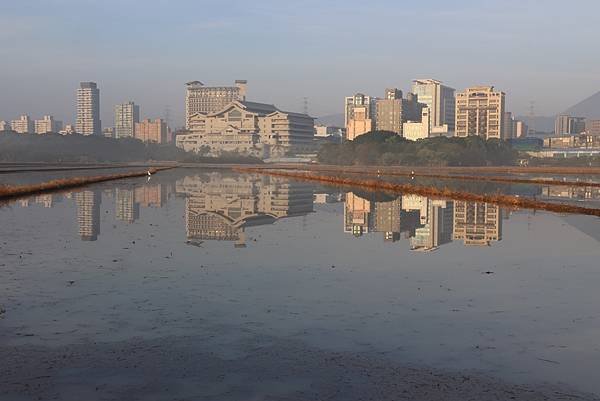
[(592, 127), (572, 141), (67, 130), (565, 124), (250, 128), (520, 129), (108, 132), (151, 131), (47, 124)]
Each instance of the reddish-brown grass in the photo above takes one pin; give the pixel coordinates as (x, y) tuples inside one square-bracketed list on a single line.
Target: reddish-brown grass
[(15, 191), (445, 193)]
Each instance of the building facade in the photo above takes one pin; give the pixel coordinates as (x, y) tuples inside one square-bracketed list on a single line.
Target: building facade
[(210, 99), (480, 111), (520, 129), (359, 115), (22, 125), (441, 102), (249, 128), (4, 126), (565, 124), (127, 115), (47, 124), (152, 131), (418, 130), (393, 111), (88, 109), (592, 127)]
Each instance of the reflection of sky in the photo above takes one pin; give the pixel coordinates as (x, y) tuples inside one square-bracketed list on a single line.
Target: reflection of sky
[(302, 277)]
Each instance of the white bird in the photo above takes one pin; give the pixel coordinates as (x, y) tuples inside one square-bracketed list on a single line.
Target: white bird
[(149, 173)]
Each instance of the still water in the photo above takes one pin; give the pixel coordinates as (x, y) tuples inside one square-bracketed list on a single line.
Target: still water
[(195, 283)]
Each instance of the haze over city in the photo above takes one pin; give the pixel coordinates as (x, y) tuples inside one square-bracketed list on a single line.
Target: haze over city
[(532, 50)]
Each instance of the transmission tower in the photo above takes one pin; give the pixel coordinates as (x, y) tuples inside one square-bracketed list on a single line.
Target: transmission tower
[(532, 117), (305, 105), (167, 115)]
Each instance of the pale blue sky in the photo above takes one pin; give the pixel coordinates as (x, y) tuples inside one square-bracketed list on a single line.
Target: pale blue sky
[(541, 50)]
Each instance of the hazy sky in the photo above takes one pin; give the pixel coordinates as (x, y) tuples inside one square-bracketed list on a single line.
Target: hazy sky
[(541, 50)]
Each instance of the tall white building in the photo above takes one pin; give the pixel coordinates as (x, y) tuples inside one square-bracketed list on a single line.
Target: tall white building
[(22, 125), (126, 116), (480, 111), (88, 109), (441, 103), (211, 99), (47, 124)]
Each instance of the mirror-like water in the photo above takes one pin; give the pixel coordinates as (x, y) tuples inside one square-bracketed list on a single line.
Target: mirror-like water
[(220, 265)]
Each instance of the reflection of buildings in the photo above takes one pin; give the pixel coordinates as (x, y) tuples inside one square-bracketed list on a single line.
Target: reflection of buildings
[(88, 214), (477, 223), (151, 195), (223, 207), (437, 226), (126, 209), (576, 193), (362, 216)]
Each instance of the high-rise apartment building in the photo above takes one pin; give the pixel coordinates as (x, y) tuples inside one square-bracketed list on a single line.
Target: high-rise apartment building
[(393, 111), (22, 125), (211, 99), (565, 124), (440, 100), (88, 109), (47, 124), (480, 111), (151, 131), (508, 125), (359, 115), (520, 129), (127, 115), (126, 208)]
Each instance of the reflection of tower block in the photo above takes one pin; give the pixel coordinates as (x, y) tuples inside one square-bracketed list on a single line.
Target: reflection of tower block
[(241, 242)]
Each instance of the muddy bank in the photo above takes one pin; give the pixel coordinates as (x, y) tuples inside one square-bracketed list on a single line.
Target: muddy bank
[(261, 368)]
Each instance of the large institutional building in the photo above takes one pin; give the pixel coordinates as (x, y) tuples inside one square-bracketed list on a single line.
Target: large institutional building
[(210, 99), (441, 102), (565, 124), (249, 128), (126, 116), (88, 109), (22, 125), (480, 111)]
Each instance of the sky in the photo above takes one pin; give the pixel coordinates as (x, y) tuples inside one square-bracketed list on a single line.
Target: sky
[(543, 51)]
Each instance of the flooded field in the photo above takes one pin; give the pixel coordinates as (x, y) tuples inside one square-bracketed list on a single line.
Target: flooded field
[(202, 284)]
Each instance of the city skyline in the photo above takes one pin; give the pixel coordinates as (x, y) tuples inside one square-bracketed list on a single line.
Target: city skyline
[(314, 50)]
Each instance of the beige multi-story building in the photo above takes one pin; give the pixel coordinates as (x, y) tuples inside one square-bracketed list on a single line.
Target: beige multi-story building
[(22, 125), (88, 109), (440, 100), (477, 223), (592, 127), (393, 111), (249, 128), (152, 131), (210, 99), (480, 111), (4, 126), (418, 130), (127, 115), (67, 130), (359, 115), (47, 124)]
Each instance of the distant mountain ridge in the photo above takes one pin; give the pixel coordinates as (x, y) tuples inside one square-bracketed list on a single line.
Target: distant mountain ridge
[(588, 108)]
